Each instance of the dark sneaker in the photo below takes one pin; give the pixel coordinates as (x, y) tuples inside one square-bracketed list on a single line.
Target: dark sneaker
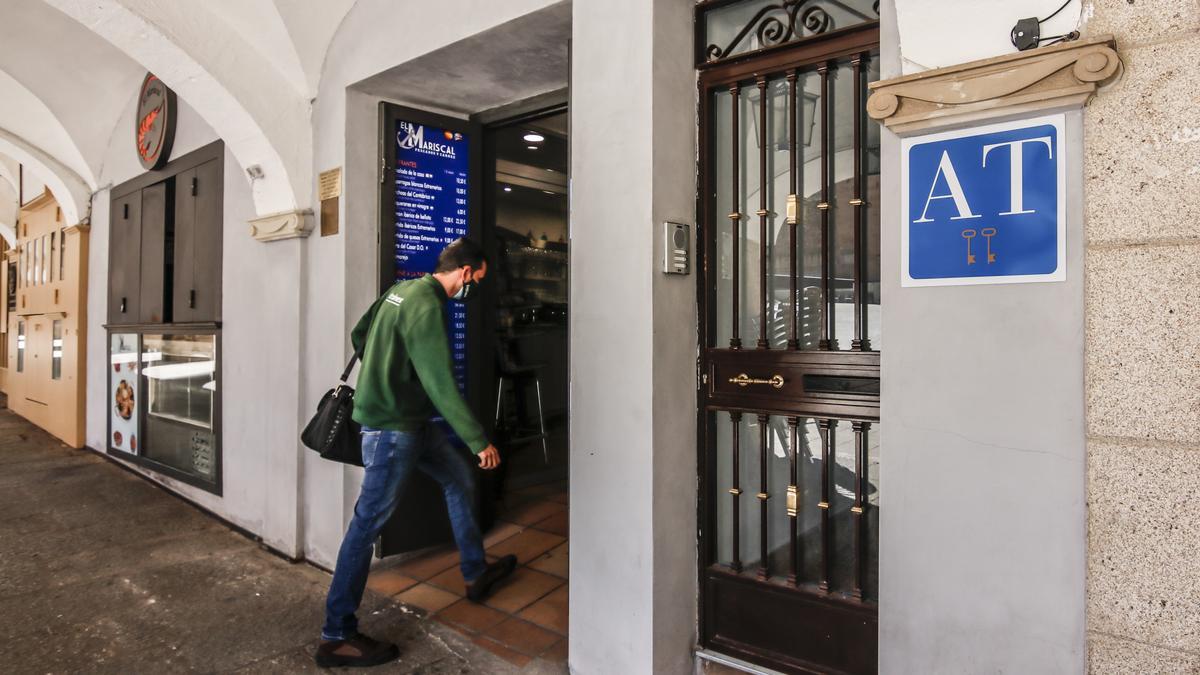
[(359, 651), (480, 588)]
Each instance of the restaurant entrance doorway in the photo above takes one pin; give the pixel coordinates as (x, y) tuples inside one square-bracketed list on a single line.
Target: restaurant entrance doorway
[(505, 184)]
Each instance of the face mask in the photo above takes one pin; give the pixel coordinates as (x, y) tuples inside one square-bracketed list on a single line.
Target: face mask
[(467, 291)]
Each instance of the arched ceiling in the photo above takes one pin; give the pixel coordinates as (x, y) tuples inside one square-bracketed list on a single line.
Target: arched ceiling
[(23, 115), (8, 201), (312, 27), (248, 67), (291, 35), (68, 70), (84, 81)]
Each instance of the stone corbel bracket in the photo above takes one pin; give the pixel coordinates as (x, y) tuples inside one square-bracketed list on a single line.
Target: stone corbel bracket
[(279, 226), (1062, 76)]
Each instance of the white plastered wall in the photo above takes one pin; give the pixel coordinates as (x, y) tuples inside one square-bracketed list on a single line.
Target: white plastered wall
[(983, 511), (260, 348)]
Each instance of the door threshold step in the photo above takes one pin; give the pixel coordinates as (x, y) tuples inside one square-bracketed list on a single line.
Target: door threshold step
[(733, 662)]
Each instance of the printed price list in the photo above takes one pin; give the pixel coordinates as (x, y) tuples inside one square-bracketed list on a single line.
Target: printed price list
[(431, 200)]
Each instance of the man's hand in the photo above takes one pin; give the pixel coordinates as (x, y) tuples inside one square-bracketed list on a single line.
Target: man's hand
[(489, 458)]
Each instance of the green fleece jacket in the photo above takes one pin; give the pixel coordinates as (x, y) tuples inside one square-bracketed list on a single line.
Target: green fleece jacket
[(407, 370)]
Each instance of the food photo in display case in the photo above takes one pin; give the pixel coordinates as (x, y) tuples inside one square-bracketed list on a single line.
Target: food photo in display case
[(123, 418)]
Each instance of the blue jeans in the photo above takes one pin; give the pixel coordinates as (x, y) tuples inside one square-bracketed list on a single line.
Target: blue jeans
[(389, 458)]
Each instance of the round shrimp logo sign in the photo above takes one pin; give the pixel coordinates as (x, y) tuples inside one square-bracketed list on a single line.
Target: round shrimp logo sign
[(154, 124)]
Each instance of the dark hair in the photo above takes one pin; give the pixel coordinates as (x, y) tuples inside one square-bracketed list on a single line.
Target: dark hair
[(460, 253)]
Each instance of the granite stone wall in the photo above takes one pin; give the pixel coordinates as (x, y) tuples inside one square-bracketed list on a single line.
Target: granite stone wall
[(1142, 186)]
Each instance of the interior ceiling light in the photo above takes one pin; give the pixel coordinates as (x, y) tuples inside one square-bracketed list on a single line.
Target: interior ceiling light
[(548, 192), (508, 188), (533, 137), (532, 147)]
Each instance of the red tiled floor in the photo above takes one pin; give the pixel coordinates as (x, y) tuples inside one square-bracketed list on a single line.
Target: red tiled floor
[(522, 636), (555, 524), (525, 587), (516, 658), (475, 618), (429, 565), (389, 582), (450, 580), (527, 545), (526, 615), (429, 598), (555, 561), (557, 653), (500, 532), (549, 612), (528, 514)]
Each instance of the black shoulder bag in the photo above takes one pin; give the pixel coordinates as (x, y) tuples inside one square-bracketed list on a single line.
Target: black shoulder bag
[(332, 432)]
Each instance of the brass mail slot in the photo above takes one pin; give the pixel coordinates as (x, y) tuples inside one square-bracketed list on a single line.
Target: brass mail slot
[(743, 380)]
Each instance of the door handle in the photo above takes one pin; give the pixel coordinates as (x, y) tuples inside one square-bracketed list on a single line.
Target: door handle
[(122, 305), (743, 380), (192, 299)]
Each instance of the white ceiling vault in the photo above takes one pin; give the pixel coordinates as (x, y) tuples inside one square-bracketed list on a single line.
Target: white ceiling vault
[(249, 68)]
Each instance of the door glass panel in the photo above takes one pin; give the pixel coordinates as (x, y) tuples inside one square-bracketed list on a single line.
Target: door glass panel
[(56, 350), (722, 277), (810, 120), (852, 486), (179, 376), (842, 216), (20, 346), (826, 150), (749, 483), (871, 289)]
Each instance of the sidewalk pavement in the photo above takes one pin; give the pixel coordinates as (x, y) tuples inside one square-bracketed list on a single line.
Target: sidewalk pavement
[(102, 571)]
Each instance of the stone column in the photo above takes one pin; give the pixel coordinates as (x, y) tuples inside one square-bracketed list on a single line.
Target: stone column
[(633, 340), (982, 539), (1142, 174)]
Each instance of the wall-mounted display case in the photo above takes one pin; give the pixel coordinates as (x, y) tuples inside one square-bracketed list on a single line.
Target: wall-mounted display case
[(164, 408)]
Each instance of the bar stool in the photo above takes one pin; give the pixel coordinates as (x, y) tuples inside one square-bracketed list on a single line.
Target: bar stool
[(520, 376)]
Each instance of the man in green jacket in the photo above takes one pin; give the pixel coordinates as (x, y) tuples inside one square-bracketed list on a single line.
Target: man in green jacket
[(406, 375)]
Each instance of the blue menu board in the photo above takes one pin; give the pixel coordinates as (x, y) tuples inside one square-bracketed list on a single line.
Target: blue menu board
[(431, 211)]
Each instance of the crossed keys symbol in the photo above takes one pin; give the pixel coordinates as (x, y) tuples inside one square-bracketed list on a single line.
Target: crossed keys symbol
[(988, 233)]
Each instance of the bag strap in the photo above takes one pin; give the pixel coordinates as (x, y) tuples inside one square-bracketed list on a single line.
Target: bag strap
[(372, 310), (350, 367)]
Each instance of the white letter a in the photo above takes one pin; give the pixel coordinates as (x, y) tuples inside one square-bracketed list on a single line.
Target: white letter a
[(956, 192)]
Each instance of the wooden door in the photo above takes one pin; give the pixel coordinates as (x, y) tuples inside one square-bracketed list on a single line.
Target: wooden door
[(37, 359), (198, 229), (154, 233), (789, 404), (447, 185), (210, 220), (183, 280), (125, 259)]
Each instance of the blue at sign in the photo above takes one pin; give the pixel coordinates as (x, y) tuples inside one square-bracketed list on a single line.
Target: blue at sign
[(984, 205)]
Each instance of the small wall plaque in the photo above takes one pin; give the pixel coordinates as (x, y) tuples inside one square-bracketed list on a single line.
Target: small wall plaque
[(329, 189)]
